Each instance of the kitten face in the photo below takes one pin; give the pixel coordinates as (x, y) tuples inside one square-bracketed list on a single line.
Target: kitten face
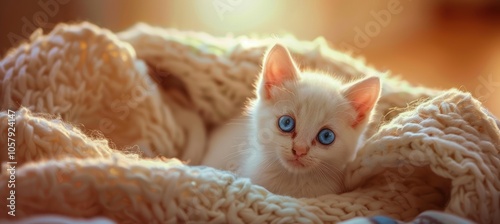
[(312, 121)]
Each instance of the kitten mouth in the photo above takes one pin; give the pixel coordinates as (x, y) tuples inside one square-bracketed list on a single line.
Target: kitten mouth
[(295, 163)]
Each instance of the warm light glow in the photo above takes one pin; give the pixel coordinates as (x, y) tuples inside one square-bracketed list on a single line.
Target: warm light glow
[(236, 15), (228, 16)]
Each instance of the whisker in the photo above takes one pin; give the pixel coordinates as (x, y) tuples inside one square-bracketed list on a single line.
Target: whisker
[(333, 172)]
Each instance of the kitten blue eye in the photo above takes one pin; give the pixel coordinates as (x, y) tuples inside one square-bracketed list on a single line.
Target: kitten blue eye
[(286, 123), (326, 136)]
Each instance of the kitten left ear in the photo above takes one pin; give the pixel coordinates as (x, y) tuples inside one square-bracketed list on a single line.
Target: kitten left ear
[(278, 67), (363, 96)]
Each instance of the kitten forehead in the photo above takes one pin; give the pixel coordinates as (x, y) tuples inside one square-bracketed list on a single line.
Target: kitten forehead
[(316, 101)]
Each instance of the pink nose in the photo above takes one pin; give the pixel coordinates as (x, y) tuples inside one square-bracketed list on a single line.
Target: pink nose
[(300, 151)]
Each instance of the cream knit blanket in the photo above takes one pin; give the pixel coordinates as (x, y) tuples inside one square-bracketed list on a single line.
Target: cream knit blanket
[(90, 124)]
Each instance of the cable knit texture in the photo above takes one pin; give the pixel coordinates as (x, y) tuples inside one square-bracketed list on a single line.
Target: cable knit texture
[(99, 113)]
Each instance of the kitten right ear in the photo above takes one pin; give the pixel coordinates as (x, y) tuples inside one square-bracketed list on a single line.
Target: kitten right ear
[(278, 67), (363, 96)]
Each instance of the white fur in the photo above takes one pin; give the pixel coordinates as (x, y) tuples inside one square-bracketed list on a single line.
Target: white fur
[(315, 101), (226, 144)]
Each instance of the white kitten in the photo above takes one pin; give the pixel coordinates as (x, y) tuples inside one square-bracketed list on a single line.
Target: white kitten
[(303, 128)]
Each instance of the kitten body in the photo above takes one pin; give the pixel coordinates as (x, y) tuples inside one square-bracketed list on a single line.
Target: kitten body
[(291, 123)]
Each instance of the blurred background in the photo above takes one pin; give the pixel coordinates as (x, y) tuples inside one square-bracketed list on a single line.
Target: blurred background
[(436, 43)]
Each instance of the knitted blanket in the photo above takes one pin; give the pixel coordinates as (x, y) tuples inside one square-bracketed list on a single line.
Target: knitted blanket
[(95, 124)]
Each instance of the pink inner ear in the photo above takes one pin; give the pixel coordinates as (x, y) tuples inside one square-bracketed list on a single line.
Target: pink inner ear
[(276, 74), (363, 96), (278, 68)]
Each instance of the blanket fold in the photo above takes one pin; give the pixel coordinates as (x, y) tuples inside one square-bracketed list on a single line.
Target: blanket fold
[(95, 110)]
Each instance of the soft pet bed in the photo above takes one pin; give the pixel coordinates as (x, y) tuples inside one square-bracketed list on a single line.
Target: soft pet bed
[(100, 119)]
